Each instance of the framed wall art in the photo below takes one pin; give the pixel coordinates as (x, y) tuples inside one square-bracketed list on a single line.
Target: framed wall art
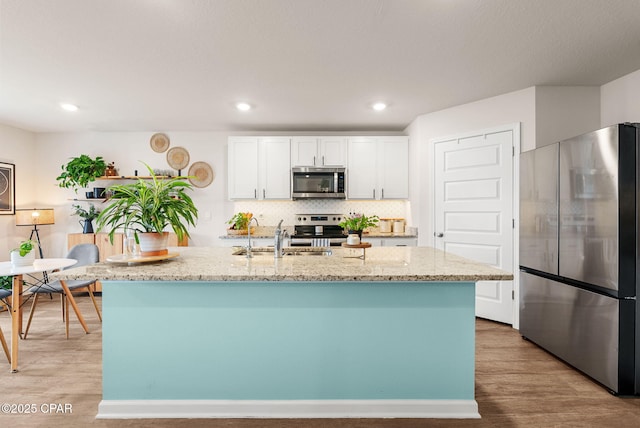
[(7, 188)]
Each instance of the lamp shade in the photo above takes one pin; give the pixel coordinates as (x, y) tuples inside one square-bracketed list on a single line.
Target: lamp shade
[(29, 217)]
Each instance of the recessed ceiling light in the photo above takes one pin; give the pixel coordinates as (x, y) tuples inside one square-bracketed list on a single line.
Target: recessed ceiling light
[(379, 106), (243, 106), (69, 107)]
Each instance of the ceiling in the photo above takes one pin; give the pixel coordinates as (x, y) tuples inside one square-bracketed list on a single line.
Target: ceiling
[(304, 65)]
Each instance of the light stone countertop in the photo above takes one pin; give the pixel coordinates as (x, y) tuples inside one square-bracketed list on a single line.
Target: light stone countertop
[(219, 264)]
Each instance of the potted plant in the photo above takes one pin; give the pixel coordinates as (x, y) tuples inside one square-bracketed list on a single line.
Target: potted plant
[(239, 224), (147, 207), (356, 223), (23, 255), (80, 171), (88, 215)]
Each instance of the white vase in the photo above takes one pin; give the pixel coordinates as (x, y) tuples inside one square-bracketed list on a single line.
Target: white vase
[(153, 244), (17, 260)]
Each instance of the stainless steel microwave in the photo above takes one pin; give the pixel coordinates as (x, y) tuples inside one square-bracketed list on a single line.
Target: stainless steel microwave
[(318, 183)]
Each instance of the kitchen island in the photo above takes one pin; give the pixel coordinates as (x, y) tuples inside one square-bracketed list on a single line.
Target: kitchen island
[(211, 334)]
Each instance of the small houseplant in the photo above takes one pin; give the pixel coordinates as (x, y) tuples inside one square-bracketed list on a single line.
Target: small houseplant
[(80, 171), (239, 223), (147, 207), (23, 255), (88, 215), (356, 223)]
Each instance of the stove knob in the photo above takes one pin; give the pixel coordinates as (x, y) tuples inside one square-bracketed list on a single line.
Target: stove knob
[(299, 218)]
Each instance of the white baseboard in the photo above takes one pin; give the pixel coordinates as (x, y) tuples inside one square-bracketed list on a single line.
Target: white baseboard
[(272, 409)]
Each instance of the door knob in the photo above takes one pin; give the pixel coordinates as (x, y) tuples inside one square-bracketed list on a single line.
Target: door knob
[(440, 235)]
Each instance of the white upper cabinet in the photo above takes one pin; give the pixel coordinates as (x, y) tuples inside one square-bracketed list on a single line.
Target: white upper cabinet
[(378, 168), (242, 168), (275, 168), (259, 168), (318, 151)]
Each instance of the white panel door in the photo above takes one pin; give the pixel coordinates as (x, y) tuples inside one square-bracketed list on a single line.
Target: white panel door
[(474, 210)]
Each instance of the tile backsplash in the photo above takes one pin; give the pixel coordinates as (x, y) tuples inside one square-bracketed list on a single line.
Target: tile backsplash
[(269, 213)]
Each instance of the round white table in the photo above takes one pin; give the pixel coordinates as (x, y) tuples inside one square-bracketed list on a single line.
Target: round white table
[(39, 265)]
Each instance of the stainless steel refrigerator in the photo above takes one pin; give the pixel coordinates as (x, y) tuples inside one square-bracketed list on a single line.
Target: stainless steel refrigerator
[(579, 253)]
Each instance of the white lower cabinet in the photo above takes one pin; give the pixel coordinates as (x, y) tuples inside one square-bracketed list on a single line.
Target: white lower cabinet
[(391, 242), (242, 242)]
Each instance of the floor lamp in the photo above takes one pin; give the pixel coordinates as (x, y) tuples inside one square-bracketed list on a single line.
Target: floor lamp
[(35, 217)]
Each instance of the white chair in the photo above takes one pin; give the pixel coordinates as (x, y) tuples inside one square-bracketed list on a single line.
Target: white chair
[(85, 254)]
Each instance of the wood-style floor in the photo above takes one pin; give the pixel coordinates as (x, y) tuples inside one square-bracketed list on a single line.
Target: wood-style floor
[(517, 385)]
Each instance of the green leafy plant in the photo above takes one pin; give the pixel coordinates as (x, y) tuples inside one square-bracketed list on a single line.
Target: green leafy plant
[(150, 206), (80, 171), (358, 222), (240, 221), (6, 282), (25, 247), (87, 214)]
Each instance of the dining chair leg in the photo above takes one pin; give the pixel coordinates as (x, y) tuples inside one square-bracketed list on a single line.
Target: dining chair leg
[(5, 346), (95, 303), (66, 314), (74, 305), (31, 311), (62, 306)]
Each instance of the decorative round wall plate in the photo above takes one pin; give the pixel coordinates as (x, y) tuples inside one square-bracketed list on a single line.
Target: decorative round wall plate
[(178, 157), (159, 142), (200, 174)]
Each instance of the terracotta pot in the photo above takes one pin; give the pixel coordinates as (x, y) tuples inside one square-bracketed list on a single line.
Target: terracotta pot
[(153, 244)]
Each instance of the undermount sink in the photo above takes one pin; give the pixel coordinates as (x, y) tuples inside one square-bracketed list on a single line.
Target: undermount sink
[(288, 251)]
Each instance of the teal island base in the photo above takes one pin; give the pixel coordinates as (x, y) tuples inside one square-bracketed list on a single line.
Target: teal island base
[(234, 349)]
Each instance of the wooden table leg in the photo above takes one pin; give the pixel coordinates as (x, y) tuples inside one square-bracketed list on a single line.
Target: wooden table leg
[(16, 291), (69, 296)]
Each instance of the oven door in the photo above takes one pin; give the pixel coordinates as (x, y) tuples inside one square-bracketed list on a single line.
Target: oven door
[(317, 183), (317, 242)]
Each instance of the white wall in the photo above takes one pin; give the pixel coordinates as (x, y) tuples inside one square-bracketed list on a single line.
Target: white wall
[(565, 111), (619, 100), (126, 149), (18, 148), (509, 108)]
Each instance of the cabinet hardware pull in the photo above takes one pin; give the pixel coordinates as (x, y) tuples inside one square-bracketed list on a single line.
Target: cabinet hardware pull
[(255, 193), (374, 193), (382, 196), (322, 160), (314, 161), (264, 193), (440, 235)]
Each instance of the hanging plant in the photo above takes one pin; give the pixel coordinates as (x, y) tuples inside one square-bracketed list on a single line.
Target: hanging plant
[(80, 171)]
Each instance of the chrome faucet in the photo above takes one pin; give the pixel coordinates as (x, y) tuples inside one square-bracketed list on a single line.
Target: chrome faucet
[(249, 255), (278, 250)]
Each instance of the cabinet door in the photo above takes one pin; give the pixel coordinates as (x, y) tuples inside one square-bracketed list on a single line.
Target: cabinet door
[(362, 169), (79, 238), (399, 242), (333, 151), (242, 168), (393, 162), (304, 151), (106, 248), (275, 168)]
